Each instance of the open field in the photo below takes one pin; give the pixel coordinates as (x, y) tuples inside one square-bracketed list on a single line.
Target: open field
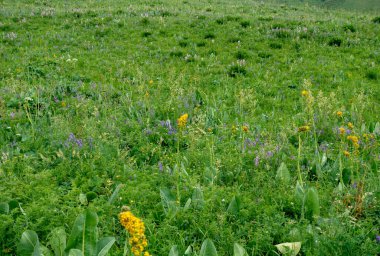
[(244, 124)]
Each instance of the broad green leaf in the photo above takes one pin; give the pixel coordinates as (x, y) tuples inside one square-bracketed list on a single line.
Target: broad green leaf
[(189, 250), (324, 159), (290, 249), (115, 193), (174, 251), (187, 205), (168, 201), (76, 235), (84, 233), (346, 176), (208, 248), (376, 130), (104, 245), (75, 252), (83, 199), (4, 208), (197, 198), (239, 250), (312, 203), (90, 233), (45, 251), (58, 241), (283, 173), (234, 206), (29, 244)]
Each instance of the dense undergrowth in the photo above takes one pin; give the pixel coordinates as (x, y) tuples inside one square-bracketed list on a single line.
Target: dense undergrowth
[(280, 142)]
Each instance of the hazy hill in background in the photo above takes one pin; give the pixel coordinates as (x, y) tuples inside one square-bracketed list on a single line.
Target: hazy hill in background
[(368, 5)]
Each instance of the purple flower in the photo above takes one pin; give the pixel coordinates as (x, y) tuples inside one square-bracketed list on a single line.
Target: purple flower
[(12, 114), (269, 154), (257, 161), (354, 185), (79, 143), (160, 167), (378, 238), (148, 131), (348, 131)]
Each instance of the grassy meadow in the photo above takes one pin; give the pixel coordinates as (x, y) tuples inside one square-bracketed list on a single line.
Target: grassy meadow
[(188, 128)]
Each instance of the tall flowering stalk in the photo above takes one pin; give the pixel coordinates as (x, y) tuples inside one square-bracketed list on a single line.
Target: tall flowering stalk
[(136, 231)]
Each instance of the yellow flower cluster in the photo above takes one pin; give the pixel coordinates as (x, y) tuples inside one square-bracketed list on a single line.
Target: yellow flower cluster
[(305, 93), (245, 128), (346, 153), (354, 139), (342, 130), (304, 128), (182, 120), (339, 113), (136, 230)]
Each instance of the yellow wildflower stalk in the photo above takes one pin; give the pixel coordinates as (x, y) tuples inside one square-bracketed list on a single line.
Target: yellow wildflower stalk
[(136, 230), (182, 120)]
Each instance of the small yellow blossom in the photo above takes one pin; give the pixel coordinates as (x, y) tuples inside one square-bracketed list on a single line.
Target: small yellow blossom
[(150, 82), (63, 104), (339, 113), (304, 128), (245, 128), (354, 139), (233, 128), (305, 93), (342, 130), (350, 125), (346, 153), (182, 120)]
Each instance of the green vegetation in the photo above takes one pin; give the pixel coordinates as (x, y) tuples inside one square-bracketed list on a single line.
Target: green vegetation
[(228, 127)]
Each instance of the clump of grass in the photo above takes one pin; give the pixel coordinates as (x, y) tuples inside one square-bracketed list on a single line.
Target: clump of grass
[(349, 27), (372, 75), (376, 20), (245, 23), (146, 34), (209, 35), (236, 69), (275, 45), (335, 42), (183, 43), (241, 55)]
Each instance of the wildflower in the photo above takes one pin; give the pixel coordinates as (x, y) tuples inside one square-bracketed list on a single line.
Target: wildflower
[(304, 128), (182, 120), (233, 129), (350, 125), (342, 130), (378, 238), (305, 93), (339, 113), (136, 230), (245, 128), (354, 139), (63, 104), (346, 153), (150, 82)]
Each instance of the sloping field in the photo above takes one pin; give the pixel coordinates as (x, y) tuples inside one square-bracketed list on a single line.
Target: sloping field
[(208, 127)]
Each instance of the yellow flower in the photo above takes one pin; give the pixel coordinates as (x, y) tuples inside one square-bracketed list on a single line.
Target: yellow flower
[(305, 93), (346, 153), (339, 113), (304, 128), (233, 128), (150, 82), (354, 139), (245, 128), (182, 120), (136, 230), (342, 130), (350, 125)]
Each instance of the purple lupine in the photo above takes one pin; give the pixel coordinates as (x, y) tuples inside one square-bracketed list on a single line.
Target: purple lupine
[(348, 131), (79, 143), (269, 154), (378, 238), (257, 161), (160, 167)]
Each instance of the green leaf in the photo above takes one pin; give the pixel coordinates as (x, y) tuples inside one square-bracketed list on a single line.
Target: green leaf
[(187, 205), (197, 198), (346, 176), (115, 193), (300, 192), (174, 251), (168, 201), (58, 241), (29, 244), (239, 250), (189, 250), (84, 233), (104, 245), (75, 252), (4, 208), (234, 206), (312, 203), (83, 199), (290, 249), (208, 248), (283, 173)]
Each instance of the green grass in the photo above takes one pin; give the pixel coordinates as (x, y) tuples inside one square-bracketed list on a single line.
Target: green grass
[(90, 94)]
